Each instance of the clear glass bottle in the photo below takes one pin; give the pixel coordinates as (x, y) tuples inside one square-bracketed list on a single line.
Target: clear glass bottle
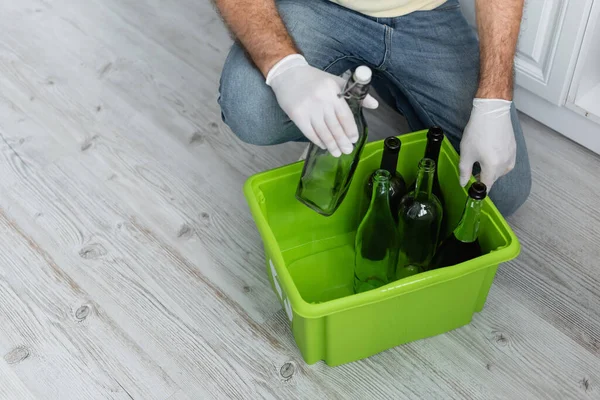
[(376, 243), (389, 162), (325, 179), (419, 219), (435, 137), (463, 244)]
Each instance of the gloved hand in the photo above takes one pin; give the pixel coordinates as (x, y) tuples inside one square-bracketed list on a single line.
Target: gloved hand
[(488, 138), (309, 97)]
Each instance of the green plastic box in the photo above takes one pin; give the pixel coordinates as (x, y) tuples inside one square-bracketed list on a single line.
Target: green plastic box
[(310, 262)]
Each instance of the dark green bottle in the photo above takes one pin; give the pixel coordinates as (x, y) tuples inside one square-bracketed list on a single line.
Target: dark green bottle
[(325, 179), (376, 243), (463, 244), (419, 219), (389, 162)]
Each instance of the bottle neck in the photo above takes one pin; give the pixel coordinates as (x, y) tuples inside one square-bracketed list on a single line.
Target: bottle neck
[(468, 227), (355, 94), (433, 149), (389, 161), (424, 183), (380, 200), (381, 197)]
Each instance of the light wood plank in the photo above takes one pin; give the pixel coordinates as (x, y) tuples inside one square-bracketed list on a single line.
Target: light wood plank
[(117, 166), (56, 338), (10, 385), (222, 176)]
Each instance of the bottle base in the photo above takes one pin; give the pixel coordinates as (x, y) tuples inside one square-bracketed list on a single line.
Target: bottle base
[(314, 207)]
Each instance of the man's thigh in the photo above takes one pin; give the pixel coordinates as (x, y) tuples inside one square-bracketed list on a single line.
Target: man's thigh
[(331, 38)]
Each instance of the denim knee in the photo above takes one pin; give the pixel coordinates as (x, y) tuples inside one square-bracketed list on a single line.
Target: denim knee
[(510, 191), (248, 105)]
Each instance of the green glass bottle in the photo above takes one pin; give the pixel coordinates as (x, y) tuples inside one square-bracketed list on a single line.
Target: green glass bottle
[(325, 179), (435, 137), (376, 243), (389, 162), (463, 244), (419, 220)]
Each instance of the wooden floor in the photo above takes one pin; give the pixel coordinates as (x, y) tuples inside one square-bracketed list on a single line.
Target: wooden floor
[(130, 266)]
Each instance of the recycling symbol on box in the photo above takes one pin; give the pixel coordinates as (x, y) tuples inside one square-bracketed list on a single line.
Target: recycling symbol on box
[(286, 303)]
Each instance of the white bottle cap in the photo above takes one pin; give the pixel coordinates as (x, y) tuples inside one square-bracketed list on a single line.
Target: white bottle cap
[(362, 75)]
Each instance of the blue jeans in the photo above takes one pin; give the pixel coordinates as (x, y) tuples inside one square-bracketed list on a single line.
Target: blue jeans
[(425, 64)]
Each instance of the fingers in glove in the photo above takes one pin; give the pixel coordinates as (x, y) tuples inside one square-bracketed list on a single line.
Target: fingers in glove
[(512, 165), (320, 127), (370, 102), (466, 168), (307, 130), (338, 132), (346, 120), (488, 176)]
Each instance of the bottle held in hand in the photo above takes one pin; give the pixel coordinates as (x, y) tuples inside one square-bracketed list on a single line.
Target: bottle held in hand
[(389, 162), (419, 219), (325, 179), (376, 243), (463, 244)]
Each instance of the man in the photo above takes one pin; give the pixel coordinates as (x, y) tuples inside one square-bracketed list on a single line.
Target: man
[(281, 80)]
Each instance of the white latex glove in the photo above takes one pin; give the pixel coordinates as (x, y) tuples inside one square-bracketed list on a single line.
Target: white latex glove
[(309, 97), (488, 138)]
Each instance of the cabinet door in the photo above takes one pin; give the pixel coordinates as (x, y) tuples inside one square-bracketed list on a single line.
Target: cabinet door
[(549, 42)]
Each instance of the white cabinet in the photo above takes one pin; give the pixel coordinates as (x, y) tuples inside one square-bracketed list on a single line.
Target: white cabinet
[(584, 94), (548, 46), (557, 66)]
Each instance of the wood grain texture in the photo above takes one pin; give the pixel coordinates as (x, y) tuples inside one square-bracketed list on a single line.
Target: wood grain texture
[(10, 385), (131, 267), (43, 310)]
